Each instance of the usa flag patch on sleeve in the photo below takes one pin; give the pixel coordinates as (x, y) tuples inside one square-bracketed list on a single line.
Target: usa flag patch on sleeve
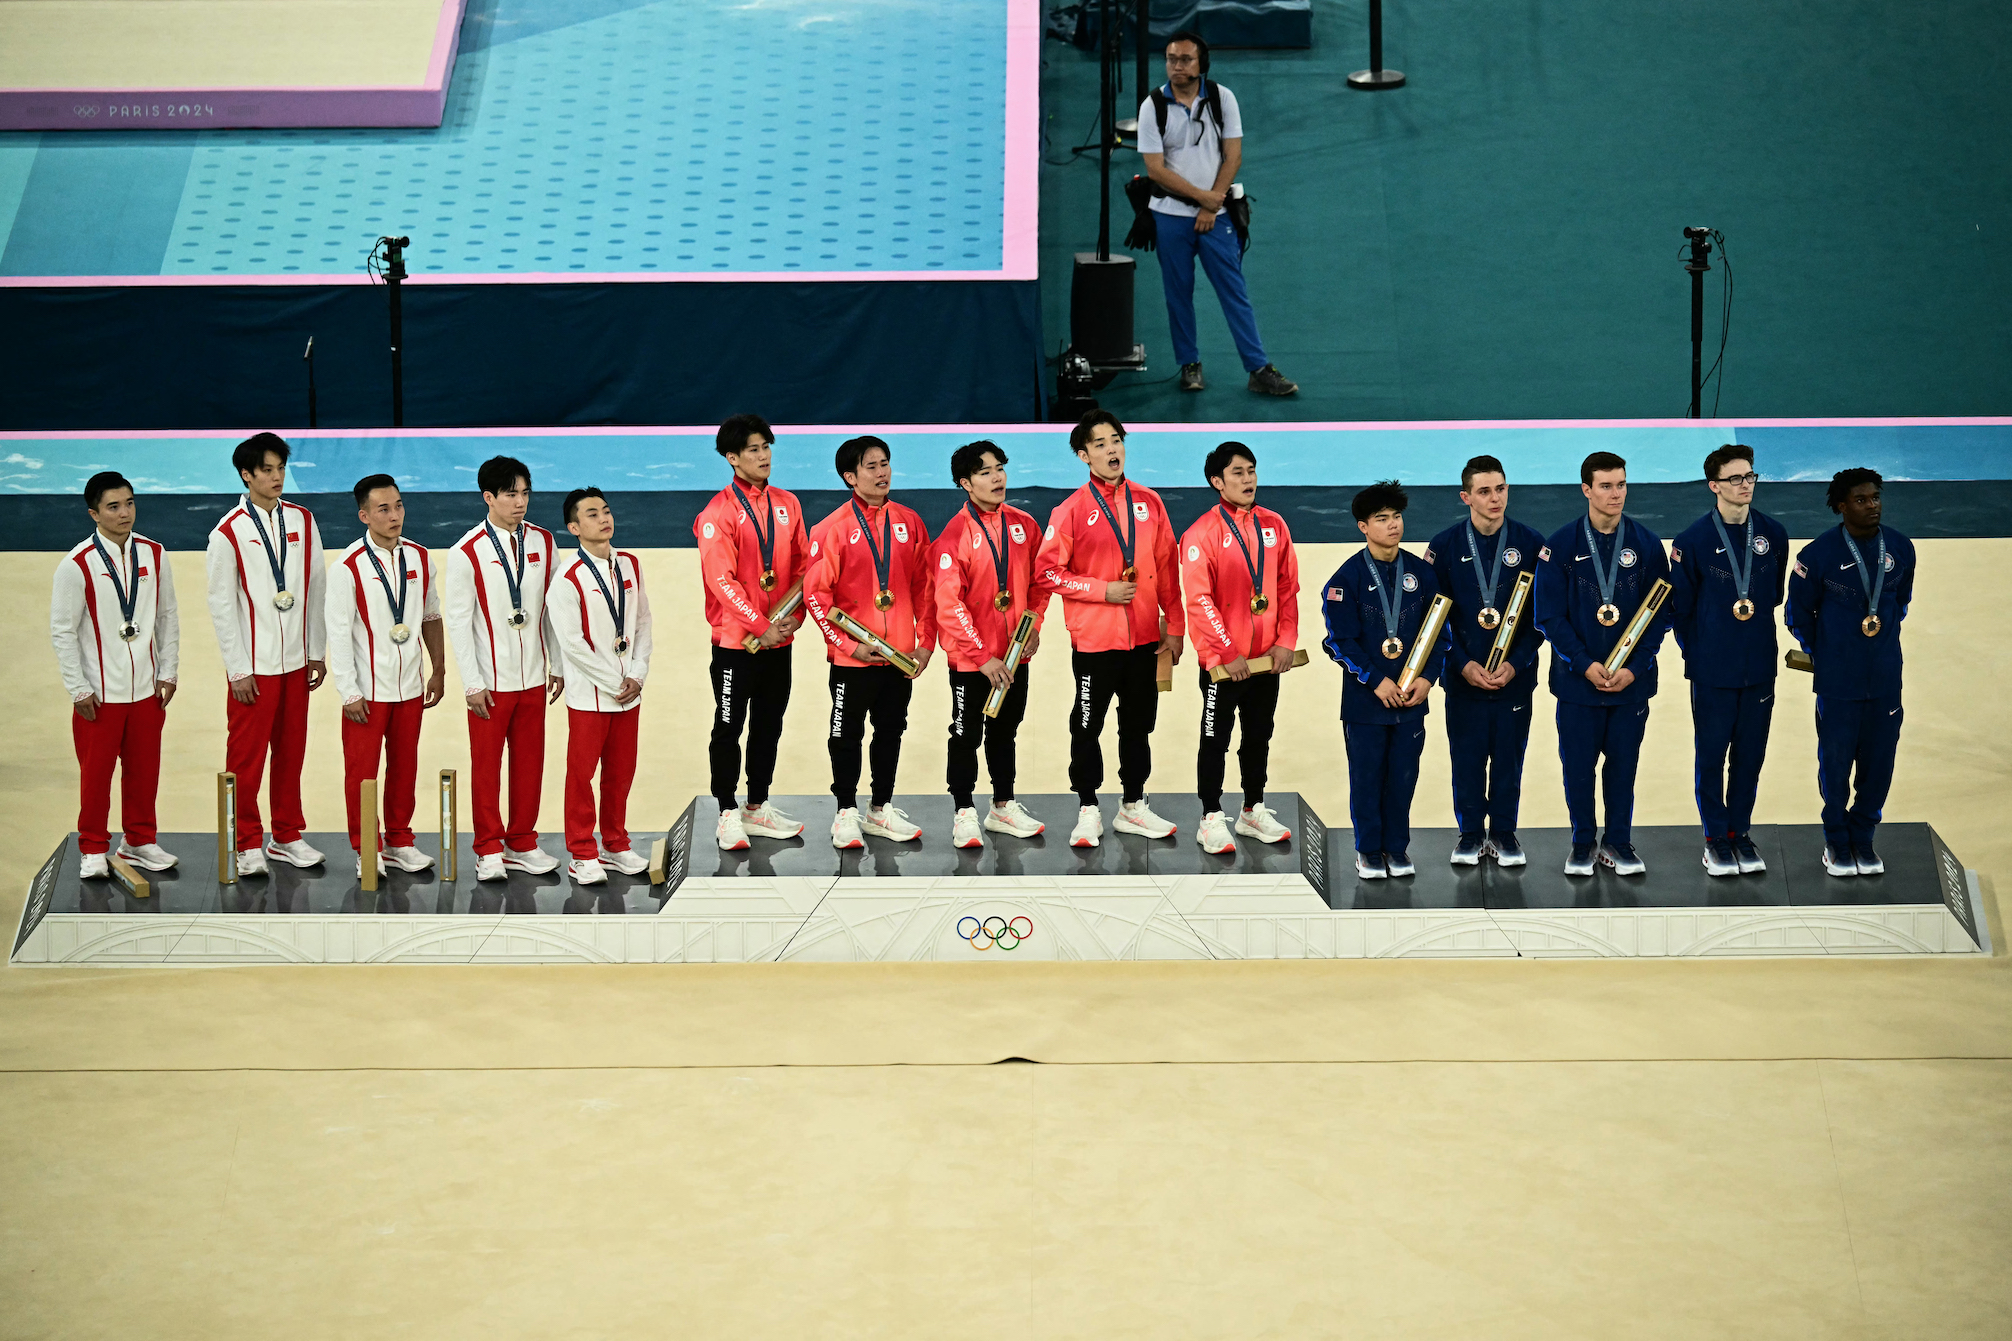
[(1334, 593), (1545, 553), (1676, 555), (1428, 554), (1800, 571)]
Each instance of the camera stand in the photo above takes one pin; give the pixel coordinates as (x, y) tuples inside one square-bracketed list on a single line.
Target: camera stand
[(1697, 265), (393, 249)]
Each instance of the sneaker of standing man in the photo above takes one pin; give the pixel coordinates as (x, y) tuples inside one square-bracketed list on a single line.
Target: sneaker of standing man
[(1240, 579), (495, 584), (1191, 136), (117, 634), (870, 560), (983, 570), (265, 577), (753, 551), (1111, 554)]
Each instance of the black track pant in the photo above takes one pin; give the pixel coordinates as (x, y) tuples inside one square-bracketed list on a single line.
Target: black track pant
[(857, 694), (749, 689), (1254, 700), (969, 725), (1130, 677)]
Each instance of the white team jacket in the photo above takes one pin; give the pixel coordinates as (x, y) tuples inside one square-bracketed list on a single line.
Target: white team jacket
[(586, 629), (488, 652), (363, 662), (84, 620), (255, 636)]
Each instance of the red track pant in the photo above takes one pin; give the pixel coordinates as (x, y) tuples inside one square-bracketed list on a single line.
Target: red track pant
[(127, 735), (275, 722), (607, 741), (518, 719), (393, 733)]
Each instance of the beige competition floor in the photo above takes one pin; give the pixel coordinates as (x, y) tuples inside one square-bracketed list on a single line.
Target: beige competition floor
[(1401, 1149)]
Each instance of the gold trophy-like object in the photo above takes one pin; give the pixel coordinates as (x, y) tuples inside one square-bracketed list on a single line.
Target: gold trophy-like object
[(1428, 635), (1015, 649), (791, 602), (1637, 626), (859, 633), (1798, 660), (1259, 665), (1512, 619)]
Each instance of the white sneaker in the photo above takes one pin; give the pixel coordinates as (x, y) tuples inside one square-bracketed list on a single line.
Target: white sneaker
[(964, 828), (845, 829), (586, 873), (888, 822), (1089, 828), (148, 856), (630, 862), (1012, 818), (1214, 834), (1261, 823), (251, 861), (1138, 817), (489, 866), (296, 853), (407, 858), (765, 821), (729, 832), (94, 867), (1369, 866), (535, 860), (359, 865)]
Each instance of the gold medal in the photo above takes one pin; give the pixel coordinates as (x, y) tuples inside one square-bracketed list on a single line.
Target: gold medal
[(283, 600), (768, 579), (1608, 615), (1489, 618), (1130, 574), (1743, 609), (1260, 603), (401, 633), (883, 599), (1870, 626), (1002, 600), (1393, 648)]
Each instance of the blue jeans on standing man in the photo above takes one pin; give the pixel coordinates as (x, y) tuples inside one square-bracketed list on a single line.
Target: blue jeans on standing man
[(1178, 242)]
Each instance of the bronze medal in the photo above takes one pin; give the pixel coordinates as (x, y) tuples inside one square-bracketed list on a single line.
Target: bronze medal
[(1002, 600), (768, 579), (1608, 615), (883, 599), (1130, 574), (1393, 648), (1743, 609), (1489, 618), (1870, 626), (1260, 603)]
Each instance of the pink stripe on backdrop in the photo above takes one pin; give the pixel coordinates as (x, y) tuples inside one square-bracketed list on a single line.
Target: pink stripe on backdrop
[(690, 430), (1020, 225), (528, 277)]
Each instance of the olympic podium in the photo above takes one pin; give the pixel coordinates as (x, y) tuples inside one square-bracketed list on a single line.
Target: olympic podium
[(1013, 900)]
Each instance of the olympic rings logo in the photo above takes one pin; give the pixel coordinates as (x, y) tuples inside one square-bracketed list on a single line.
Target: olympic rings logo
[(995, 930)]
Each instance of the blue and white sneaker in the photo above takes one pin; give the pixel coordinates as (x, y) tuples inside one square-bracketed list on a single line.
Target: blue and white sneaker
[(1621, 856), (1720, 859), (1369, 866), (1839, 864), (1467, 852), (1749, 855), (1866, 859), (1583, 859), (1399, 863), (1506, 851)]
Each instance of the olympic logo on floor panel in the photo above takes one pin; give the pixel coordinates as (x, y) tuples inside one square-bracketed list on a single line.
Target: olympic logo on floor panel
[(1007, 935)]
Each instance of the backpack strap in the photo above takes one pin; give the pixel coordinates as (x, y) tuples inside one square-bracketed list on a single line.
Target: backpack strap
[(1160, 111)]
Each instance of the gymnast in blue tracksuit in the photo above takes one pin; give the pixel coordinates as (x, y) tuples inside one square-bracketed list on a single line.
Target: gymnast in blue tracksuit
[(1846, 600), (1477, 561), (1374, 604), (1728, 575), (1591, 578)]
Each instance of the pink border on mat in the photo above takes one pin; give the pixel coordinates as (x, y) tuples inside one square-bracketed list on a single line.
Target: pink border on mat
[(1019, 223), (689, 430)]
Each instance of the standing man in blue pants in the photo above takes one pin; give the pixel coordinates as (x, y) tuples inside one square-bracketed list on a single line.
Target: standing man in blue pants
[(1591, 578), (1846, 601), (1191, 137), (1728, 573)]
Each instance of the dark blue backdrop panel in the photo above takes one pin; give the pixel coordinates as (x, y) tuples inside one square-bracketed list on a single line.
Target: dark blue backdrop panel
[(523, 354)]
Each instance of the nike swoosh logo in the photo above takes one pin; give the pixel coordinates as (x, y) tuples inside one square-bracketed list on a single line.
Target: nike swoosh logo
[(1841, 567), (1891, 713), (1768, 699), (1467, 558), (1580, 558), (1718, 551), (1517, 709)]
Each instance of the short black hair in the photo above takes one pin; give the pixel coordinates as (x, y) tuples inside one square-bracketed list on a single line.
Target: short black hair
[(573, 500), (1377, 497), (1220, 457), (499, 473), (370, 483), (733, 434), (969, 459), (1079, 436), (1842, 483), (1190, 35), (1732, 451), (100, 484), (853, 450), (1599, 461), (249, 455), (1480, 465)]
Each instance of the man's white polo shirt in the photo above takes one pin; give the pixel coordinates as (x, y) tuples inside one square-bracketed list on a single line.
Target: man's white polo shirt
[(1193, 144)]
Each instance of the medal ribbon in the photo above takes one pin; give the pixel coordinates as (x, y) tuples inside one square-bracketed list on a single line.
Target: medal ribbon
[(1494, 569), (129, 599), (764, 539), (515, 582), (1611, 574), (1128, 535), (1742, 577), (1873, 585), (1393, 600), (618, 604), (275, 551), (883, 558), (999, 551), (1256, 570), (397, 603)]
